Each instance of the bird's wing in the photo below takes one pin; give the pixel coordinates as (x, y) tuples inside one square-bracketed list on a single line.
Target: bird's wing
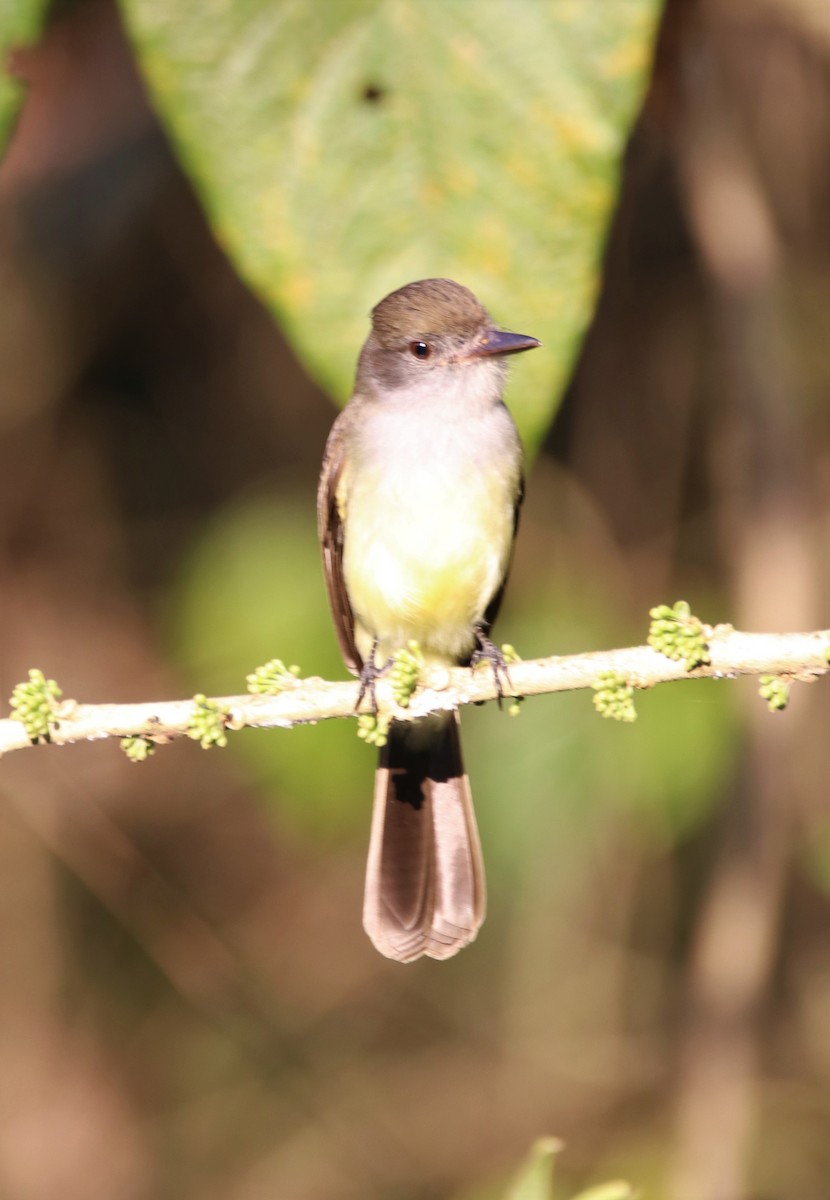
[(331, 533)]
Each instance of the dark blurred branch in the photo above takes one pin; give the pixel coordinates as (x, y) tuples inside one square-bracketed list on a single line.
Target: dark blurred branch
[(801, 656)]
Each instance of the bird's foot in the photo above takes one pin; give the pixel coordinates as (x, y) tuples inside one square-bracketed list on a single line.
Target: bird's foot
[(369, 675), (487, 651)]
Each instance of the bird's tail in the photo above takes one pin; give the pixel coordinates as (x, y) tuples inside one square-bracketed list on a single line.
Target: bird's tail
[(425, 890)]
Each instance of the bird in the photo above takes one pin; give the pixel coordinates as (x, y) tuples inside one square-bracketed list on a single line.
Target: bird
[(418, 505)]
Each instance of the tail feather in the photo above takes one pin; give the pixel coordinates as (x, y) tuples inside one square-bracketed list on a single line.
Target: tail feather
[(425, 891)]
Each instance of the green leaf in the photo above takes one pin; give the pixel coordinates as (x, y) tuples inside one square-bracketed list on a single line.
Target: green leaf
[(343, 149), (535, 1179), (20, 22)]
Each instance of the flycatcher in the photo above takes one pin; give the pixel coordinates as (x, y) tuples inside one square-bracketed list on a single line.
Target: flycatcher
[(417, 510)]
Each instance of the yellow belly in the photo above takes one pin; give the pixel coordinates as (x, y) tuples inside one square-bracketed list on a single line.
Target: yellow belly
[(424, 555)]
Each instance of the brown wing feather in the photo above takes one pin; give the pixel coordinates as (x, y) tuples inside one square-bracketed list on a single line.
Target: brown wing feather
[(330, 529)]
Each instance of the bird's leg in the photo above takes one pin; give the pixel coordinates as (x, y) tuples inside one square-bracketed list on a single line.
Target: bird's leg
[(487, 651), (369, 675)]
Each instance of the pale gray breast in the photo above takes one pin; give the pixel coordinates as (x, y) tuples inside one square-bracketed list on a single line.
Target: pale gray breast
[(452, 424)]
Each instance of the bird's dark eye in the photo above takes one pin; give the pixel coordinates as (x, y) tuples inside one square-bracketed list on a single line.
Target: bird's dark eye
[(420, 349)]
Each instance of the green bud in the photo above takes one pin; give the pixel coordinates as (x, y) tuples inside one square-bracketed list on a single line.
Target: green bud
[(678, 635), (373, 728), (33, 704), (137, 749), (405, 672), (614, 697), (208, 722), (272, 678), (776, 692)]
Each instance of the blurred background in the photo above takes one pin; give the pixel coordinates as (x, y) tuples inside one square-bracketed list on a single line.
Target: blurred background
[(188, 1004)]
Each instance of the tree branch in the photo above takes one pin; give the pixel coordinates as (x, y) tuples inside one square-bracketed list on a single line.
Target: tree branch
[(800, 656)]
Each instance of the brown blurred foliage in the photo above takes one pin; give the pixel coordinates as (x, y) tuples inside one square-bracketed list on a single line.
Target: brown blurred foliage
[(188, 1006)]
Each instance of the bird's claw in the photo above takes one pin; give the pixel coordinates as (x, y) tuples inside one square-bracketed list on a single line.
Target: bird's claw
[(487, 651), (369, 675)]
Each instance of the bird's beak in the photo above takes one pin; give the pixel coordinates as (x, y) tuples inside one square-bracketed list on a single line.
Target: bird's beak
[(497, 341)]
